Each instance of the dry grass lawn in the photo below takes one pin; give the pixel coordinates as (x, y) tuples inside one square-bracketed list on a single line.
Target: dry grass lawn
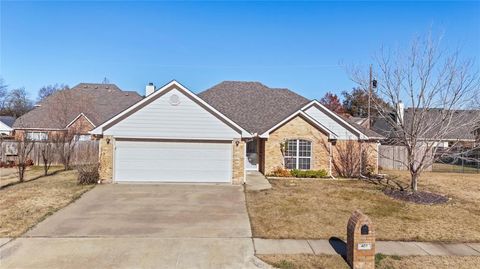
[(382, 262), (10, 175), (24, 205), (319, 209)]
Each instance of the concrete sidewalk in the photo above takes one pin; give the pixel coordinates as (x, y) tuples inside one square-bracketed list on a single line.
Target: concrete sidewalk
[(256, 181), (338, 247)]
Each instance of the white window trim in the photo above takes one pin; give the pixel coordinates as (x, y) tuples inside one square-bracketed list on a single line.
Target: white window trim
[(35, 134), (297, 154)]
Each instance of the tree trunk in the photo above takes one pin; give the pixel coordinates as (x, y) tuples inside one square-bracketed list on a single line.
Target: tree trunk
[(413, 182)]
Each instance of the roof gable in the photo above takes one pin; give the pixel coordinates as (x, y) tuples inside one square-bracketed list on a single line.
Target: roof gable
[(253, 105), (98, 102), (171, 112), (305, 116)]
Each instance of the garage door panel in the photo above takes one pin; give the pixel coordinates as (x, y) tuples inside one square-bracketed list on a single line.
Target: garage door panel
[(173, 161)]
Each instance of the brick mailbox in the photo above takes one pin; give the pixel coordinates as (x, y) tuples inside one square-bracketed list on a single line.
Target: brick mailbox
[(360, 241)]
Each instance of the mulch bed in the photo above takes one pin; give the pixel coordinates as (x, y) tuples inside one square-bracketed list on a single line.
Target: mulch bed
[(419, 197)]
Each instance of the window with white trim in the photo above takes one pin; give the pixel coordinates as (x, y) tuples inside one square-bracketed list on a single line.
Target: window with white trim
[(82, 137), (37, 136), (298, 154)]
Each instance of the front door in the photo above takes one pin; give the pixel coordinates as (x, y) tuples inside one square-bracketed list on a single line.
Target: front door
[(252, 155)]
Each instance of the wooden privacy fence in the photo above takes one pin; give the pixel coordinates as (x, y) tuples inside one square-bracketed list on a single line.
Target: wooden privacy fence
[(83, 152), (394, 158)]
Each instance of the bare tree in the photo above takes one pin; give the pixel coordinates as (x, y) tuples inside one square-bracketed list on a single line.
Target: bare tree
[(17, 102), (3, 94), (63, 108), (64, 144), (439, 88), (46, 151), (24, 147), (349, 158), (48, 90)]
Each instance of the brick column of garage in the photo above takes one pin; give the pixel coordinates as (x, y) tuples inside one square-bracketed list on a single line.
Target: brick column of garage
[(105, 169), (238, 161)]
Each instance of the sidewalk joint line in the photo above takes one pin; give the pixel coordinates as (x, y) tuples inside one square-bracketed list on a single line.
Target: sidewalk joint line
[(310, 245)]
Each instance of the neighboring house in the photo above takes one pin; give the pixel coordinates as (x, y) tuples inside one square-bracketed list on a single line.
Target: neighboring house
[(461, 134), (78, 110), (6, 123), (174, 135), (360, 121)]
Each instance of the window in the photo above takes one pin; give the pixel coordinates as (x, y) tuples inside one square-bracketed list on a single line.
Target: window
[(37, 136), (82, 137), (298, 154)]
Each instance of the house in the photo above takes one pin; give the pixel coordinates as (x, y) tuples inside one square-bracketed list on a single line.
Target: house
[(459, 132), (6, 123), (174, 135), (77, 110)]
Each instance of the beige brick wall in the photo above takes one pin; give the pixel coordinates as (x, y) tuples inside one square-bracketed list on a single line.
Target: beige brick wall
[(81, 126), (371, 149), (238, 165), (297, 128), (360, 258), (349, 151), (106, 159)]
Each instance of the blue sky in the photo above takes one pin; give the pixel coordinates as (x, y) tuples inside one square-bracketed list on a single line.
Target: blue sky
[(299, 45)]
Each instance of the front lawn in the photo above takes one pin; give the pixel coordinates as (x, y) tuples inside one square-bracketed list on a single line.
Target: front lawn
[(382, 262), (10, 175), (24, 205), (319, 209)]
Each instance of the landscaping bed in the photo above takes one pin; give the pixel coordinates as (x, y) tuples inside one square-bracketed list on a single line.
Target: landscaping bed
[(319, 209), (302, 261), (24, 205)]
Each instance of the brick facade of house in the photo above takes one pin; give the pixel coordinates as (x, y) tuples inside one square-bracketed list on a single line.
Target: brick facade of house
[(271, 156), (296, 128), (80, 126)]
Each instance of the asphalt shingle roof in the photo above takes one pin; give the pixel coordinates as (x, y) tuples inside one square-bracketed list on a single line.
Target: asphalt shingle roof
[(99, 102), (256, 107), (433, 116), (253, 105)]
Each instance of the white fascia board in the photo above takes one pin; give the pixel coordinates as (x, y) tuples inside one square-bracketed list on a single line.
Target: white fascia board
[(99, 129), (331, 134), (315, 102), (76, 118)]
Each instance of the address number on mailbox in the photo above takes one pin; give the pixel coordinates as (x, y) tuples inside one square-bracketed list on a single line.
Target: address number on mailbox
[(364, 246)]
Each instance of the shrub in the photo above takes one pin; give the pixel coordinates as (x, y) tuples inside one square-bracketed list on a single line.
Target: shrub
[(281, 172), (309, 173), (87, 174)]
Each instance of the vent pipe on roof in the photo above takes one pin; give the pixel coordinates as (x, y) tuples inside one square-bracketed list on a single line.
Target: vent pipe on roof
[(149, 89), (400, 112)]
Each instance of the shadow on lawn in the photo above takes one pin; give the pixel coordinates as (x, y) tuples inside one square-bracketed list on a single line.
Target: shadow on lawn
[(32, 179)]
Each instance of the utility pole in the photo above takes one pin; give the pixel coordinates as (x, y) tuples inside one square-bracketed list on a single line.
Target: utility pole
[(369, 98)]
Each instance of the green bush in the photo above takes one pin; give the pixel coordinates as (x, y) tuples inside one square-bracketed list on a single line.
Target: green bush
[(309, 173)]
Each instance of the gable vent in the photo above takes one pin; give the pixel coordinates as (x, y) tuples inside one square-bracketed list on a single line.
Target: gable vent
[(174, 100)]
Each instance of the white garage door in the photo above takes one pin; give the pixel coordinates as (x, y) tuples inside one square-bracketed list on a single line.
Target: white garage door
[(153, 161)]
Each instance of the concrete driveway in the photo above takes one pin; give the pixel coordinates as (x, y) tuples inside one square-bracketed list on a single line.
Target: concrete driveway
[(142, 226)]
